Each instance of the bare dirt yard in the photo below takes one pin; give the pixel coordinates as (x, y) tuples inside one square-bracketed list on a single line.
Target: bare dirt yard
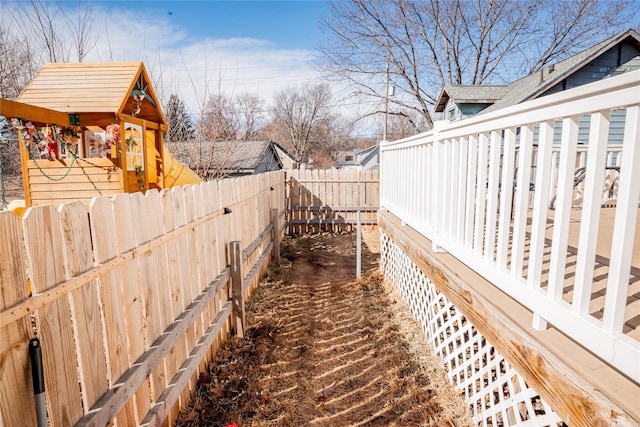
[(325, 349)]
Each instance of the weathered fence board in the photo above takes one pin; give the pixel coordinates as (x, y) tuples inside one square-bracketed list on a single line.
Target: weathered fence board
[(105, 249), (44, 242), (129, 301), (133, 299), (15, 375), (85, 303)]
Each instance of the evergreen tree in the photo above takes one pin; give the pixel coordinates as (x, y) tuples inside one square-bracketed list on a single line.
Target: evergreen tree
[(179, 121)]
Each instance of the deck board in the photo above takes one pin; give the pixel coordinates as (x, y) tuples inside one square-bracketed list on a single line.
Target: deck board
[(603, 254), (601, 266)]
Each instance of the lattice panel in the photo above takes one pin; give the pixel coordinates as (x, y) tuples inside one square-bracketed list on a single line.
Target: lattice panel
[(496, 394)]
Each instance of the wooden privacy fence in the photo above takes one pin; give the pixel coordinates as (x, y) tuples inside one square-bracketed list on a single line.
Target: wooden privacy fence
[(320, 200), (130, 301)]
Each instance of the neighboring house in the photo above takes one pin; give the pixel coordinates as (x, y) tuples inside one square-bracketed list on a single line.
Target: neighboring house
[(359, 158), (246, 158), (231, 158), (616, 55), (461, 101), (286, 159)]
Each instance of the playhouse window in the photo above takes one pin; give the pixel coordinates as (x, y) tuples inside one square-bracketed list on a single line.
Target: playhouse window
[(133, 139)]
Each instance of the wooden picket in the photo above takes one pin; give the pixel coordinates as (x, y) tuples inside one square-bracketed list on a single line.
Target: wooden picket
[(330, 199), (129, 301), (15, 375), (44, 247)]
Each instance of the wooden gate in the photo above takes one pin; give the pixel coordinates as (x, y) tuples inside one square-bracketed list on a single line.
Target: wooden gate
[(329, 200)]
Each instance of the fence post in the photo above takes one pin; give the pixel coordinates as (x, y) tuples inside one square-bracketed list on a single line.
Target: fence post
[(275, 232), (237, 297), (358, 247)]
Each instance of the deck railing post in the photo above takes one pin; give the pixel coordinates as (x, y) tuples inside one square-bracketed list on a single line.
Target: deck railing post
[(437, 197), (275, 233), (625, 219), (237, 297)]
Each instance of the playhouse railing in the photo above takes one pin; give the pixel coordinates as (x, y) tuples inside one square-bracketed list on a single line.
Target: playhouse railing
[(486, 190)]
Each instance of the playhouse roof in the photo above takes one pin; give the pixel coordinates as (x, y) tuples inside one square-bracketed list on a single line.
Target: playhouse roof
[(99, 87)]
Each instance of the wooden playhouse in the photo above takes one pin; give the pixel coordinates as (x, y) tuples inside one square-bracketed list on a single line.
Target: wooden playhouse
[(91, 129)]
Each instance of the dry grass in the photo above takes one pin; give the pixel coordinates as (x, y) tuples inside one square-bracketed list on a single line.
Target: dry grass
[(325, 349)]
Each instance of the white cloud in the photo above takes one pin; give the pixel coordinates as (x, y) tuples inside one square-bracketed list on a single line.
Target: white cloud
[(178, 63), (197, 68)]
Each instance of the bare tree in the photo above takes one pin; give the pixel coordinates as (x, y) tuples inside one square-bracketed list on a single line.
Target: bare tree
[(208, 159), (232, 118), (250, 108), (49, 30), (301, 112), (81, 28), (220, 119), (10, 167), (333, 136), (403, 123), (211, 147), (16, 68), (41, 20), (432, 43)]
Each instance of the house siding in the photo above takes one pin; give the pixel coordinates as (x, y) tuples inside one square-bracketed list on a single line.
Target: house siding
[(623, 56), (267, 163), (599, 68), (616, 129), (616, 126), (454, 112), (451, 111)]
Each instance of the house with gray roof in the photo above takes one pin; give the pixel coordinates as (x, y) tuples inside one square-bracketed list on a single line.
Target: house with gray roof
[(359, 158), (615, 55), (461, 101), (215, 159), (238, 158)]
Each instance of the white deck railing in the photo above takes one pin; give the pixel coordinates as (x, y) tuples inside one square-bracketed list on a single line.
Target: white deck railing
[(431, 180)]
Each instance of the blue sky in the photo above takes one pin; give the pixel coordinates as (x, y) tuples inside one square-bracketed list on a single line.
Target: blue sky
[(287, 24), (198, 48)]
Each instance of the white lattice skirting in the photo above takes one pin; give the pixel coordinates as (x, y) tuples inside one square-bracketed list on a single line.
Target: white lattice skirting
[(496, 394)]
